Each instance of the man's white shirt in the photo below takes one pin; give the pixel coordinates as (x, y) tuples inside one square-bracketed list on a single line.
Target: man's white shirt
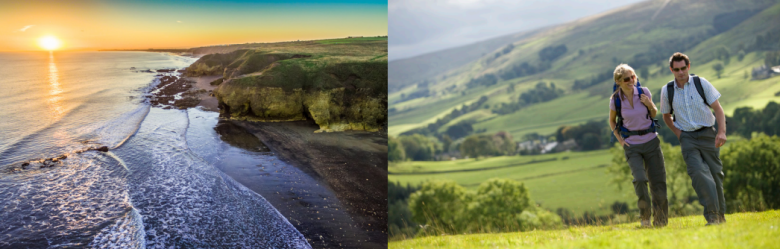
[(690, 112)]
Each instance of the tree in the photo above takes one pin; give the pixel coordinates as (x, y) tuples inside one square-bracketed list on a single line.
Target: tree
[(552, 52), (723, 53), (479, 145), (498, 203), (644, 73), (718, 67), (504, 143), (578, 133), (447, 142), (752, 174), (417, 147), (459, 130), (772, 58), (399, 218), (559, 134), (440, 204), (745, 120), (740, 55), (395, 150), (590, 141)]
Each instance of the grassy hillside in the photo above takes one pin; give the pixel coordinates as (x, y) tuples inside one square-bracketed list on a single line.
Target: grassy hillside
[(341, 84), (574, 180), (742, 230), (410, 71), (594, 46)]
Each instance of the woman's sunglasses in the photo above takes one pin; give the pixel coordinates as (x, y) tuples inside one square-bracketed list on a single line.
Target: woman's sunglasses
[(626, 79)]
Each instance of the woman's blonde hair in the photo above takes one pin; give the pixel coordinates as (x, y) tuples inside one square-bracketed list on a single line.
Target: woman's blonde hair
[(621, 71)]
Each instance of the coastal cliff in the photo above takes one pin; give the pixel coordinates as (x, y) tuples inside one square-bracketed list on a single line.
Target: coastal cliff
[(339, 85)]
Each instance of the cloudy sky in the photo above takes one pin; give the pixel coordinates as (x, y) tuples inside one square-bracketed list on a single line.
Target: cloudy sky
[(418, 27)]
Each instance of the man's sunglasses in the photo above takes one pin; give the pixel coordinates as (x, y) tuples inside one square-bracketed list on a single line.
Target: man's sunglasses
[(626, 79), (679, 69)]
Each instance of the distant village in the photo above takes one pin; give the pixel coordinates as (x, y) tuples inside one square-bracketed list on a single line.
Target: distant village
[(764, 72)]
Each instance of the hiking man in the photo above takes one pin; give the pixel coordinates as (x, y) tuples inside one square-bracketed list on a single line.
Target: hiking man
[(685, 104), (635, 130)]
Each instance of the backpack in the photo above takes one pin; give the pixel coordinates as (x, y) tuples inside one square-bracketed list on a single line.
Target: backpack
[(670, 93), (625, 133)]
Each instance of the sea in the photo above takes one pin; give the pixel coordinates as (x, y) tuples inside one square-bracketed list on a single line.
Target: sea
[(154, 187)]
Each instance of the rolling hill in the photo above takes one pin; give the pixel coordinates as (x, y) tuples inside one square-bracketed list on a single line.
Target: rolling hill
[(580, 56)]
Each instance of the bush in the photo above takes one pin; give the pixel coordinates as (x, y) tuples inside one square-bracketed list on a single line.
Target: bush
[(417, 147), (752, 174), (439, 204), (395, 150), (497, 205), (400, 221)]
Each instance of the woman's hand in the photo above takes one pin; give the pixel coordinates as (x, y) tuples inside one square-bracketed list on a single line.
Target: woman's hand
[(646, 100), (623, 142)]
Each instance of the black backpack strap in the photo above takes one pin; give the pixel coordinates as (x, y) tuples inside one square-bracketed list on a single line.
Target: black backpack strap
[(699, 88), (618, 106), (670, 96), (640, 91)]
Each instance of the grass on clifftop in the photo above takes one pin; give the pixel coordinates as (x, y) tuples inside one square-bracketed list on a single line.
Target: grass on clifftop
[(743, 230), (353, 63)]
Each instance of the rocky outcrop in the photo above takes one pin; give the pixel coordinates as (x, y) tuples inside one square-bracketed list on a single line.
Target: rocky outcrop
[(337, 109), (273, 87)]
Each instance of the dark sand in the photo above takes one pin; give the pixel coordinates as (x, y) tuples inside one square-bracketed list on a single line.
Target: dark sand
[(345, 170), (352, 164), (207, 101)]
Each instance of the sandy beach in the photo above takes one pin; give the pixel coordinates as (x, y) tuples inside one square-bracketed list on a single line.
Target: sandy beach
[(350, 167)]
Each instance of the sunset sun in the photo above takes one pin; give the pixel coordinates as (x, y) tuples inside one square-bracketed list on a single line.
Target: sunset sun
[(49, 43)]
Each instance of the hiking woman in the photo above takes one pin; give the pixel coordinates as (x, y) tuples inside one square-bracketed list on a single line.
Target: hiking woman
[(631, 120)]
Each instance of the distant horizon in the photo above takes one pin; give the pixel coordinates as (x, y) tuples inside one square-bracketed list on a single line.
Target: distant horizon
[(163, 48), (99, 25)]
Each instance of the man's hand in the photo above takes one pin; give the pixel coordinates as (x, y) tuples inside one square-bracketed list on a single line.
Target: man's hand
[(720, 139), (677, 132), (646, 100)]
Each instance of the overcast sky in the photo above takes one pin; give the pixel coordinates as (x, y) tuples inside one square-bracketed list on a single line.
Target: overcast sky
[(418, 27)]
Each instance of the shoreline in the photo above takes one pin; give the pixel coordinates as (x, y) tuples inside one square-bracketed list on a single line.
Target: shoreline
[(351, 165)]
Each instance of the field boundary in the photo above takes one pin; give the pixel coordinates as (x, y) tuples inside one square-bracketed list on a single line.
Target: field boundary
[(470, 170), (547, 175)]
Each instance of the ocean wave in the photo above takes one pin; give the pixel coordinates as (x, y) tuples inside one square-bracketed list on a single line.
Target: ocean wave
[(186, 202)]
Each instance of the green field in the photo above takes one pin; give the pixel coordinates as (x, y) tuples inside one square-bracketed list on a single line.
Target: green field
[(578, 183), (743, 230)]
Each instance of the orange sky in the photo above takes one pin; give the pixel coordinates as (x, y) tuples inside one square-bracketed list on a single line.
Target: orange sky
[(178, 24)]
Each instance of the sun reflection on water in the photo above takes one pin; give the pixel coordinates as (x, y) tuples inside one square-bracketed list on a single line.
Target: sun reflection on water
[(55, 91)]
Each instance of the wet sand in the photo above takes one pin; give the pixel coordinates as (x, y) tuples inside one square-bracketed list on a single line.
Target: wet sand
[(352, 164), (207, 101), (344, 171)]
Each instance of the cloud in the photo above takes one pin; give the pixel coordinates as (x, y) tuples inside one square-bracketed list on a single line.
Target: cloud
[(418, 27), (179, 21), (25, 28)]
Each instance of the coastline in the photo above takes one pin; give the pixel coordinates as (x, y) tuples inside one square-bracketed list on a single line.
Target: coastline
[(207, 101), (352, 166)]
